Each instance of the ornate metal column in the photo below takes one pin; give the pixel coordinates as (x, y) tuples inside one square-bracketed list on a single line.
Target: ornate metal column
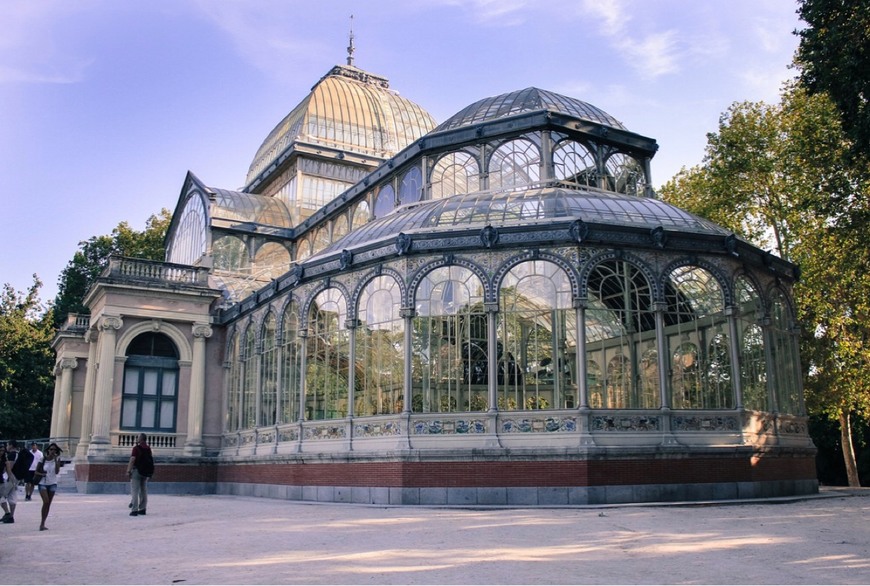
[(196, 400), (100, 440)]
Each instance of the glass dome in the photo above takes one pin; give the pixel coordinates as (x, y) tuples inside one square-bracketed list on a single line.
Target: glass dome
[(505, 208), (350, 110), (527, 100)]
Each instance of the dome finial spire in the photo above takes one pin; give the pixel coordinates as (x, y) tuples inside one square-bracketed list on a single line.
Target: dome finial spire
[(350, 47)]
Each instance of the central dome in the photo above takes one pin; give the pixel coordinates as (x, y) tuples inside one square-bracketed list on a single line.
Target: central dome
[(528, 100), (349, 110)]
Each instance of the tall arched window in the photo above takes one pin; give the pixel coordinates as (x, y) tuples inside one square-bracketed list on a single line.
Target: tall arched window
[(697, 341), (361, 214), (385, 202), (574, 163), (326, 383), (411, 186), (249, 380), (624, 175), (785, 356), (380, 349), (269, 372), (753, 368), (514, 164), (455, 173), (620, 330), (188, 243), (150, 394), (290, 355), (449, 358), (234, 386), (231, 254), (537, 345)]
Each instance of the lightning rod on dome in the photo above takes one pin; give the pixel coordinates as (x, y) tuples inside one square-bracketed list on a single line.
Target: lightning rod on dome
[(350, 47)]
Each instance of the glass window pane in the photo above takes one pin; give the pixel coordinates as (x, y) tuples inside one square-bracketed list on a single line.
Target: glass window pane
[(149, 382), (128, 413), (168, 388), (149, 415), (131, 381), (167, 415)]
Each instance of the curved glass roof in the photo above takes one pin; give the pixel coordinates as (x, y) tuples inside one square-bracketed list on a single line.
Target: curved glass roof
[(249, 207), (507, 208), (351, 110), (528, 100)]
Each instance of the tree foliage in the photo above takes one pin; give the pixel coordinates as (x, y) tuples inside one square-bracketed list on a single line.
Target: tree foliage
[(26, 360), (834, 57), (93, 254), (781, 176)]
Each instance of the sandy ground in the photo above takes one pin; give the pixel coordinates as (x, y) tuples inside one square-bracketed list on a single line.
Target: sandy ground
[(235, 540)]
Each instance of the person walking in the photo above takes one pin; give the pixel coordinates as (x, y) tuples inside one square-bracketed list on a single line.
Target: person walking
[(17, 464), (28, 482), (45, 476), (140, 468)]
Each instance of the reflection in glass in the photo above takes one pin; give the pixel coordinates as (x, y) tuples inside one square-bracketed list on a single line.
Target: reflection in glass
[(785, 356), (380, 349), (753, 372), (385, 201), (455, 173), (536, 338), (449, 358), (326, 383), (411, 186)]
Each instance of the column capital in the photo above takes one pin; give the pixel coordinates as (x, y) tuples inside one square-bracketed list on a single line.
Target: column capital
[(111, 322), (70, 363), (201, 331)]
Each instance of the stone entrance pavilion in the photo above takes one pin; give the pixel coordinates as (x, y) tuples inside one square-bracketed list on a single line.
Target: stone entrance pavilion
[(496, 309)]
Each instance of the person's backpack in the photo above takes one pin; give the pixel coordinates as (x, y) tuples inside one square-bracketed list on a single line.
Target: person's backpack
[(22, 464), (145, 462)]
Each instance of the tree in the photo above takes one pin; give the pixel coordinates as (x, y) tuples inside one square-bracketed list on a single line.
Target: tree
[(782, 175), (834, 57), (26, 360), (93, 254)]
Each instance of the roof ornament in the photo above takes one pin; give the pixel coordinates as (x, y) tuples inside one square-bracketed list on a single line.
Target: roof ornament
[(350, 47)]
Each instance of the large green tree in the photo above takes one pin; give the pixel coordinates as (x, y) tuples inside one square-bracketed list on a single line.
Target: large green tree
[(26, 360), (834, 58), (781, 177), (93, 254)]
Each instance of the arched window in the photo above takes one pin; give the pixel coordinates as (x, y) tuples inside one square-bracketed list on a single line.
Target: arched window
[(189, 241), (537, 345), (624, 174), (231, 254), (380, 349), (303, 249), (150, 394), (234, 387), (449, 359), (361, 215), (574, 163), (455, 173), (620, 330), (514, 164), (269, 372), (321, 239), (291, 356), (411, 186), (339, 227), (249, 380), (272, 260), (326, 372), (785, 356), (385, 201), (697, 342), (753, 369)]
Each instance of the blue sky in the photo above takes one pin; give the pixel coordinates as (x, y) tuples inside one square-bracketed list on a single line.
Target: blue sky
[(105, 105)]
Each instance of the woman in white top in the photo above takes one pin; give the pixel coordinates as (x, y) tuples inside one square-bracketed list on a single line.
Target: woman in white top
[(46, 473)]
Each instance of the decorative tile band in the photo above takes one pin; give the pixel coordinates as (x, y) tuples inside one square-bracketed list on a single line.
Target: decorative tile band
[(624, 423), (682, 423), (387, 428), (458, 426), (323, 432), (540, 425)]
